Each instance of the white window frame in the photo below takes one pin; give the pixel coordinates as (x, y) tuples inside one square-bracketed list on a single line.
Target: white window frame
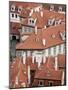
[(50, 82), (42, 83), (13, 6)]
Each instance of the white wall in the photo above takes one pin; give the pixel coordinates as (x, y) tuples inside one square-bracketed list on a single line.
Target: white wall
[(14, 19)]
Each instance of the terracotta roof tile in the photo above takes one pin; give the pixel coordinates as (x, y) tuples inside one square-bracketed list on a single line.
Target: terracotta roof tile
[(35, 41)]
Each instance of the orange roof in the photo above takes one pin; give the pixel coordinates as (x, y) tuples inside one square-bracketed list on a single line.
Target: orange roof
[(42, 21), (25, 4), (61, 61), (35, 41), (48, 74)]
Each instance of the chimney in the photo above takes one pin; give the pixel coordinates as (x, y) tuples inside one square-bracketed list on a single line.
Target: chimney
[(28, 74), (62, 81), (39, 64), (24, 58), (41, 13), (36, 31), (31, 12), (44, 59), (16, 81), (56, 63), (44, 42), (32, 59)]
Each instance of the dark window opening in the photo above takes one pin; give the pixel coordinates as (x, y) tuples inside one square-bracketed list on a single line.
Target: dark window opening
[(50, 83), (16, 15), (32, 21), (13, 37), (12, 15)]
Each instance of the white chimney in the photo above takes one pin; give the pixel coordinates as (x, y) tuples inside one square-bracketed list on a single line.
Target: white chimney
[(32, 59), (28, 74), (30, 14), (39, 64), (36, 31), (44, 42), (62, 81), (56, 63), (44, 59), (16, 82), (41, 13), (24, 58)]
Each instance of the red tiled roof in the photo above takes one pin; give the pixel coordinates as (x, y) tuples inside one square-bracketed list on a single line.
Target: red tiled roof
[(35, 41), (61, 61), (25, 4), (48, 74)]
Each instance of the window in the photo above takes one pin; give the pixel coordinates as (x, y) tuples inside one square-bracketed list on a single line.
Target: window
[(50, 83), (16, 15), (55, 50), (49, 51), (12, 7), (32, 21), (59, 48), (12, 15), (40, 83), (60, 8)]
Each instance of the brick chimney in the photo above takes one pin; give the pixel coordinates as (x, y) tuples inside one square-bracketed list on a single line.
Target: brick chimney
[(56, 63)]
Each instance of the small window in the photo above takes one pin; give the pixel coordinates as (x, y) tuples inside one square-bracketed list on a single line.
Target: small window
[(41, 83), (16, 15), (59, 48), (49, 51), (54, 50), (12, 7), (32, 21), (50, 83), (12, 15)]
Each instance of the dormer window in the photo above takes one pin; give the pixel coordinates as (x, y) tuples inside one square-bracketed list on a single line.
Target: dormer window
[(19, 9), (31, 22), (60, 8), (62, 34), (12, 7), (52, 8), (51, 21)]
